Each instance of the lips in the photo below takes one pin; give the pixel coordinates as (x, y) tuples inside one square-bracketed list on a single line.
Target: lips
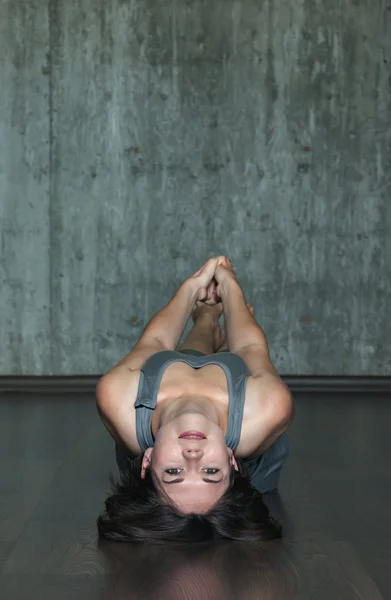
[(192, 435)]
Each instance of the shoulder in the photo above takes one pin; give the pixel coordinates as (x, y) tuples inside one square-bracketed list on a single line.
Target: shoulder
[(116, 395), (266, 390), (268, 411), (118, 385)]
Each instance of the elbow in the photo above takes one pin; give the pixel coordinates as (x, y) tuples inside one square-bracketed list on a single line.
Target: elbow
[(284, 408), (288, 411), (104, 394), (101, 391)]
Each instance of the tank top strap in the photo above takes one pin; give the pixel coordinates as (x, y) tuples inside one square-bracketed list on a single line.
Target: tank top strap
[(150, 377), (237, 373)]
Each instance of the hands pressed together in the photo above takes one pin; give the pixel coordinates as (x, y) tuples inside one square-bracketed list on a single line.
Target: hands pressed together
[(216, 273)]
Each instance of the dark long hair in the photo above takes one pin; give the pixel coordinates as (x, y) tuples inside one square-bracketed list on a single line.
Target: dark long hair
[(135, 512)]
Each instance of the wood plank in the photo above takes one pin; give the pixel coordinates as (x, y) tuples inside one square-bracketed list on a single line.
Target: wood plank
[(50, 587), (331, 570), (5, 550), (336, 543), (82, 480), (375, 555), (56, 549), (22, 486), (38, 427)]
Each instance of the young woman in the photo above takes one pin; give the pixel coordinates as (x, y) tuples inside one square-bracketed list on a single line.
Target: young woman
[(198, 428)]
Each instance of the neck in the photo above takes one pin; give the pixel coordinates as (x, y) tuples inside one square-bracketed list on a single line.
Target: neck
[(173, 408)]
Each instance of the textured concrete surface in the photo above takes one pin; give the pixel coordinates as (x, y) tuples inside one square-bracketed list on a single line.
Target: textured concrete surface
[(138, 138)]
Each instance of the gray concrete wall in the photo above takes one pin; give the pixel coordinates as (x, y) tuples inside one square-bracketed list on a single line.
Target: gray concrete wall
[(139, 138)]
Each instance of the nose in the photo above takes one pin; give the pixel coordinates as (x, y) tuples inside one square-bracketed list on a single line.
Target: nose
[(192, 453)]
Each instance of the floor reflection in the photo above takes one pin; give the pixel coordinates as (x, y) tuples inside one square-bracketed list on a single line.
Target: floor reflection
[(223, 570)]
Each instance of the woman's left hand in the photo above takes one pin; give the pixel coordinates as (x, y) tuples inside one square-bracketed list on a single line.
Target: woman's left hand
[(206, 283)]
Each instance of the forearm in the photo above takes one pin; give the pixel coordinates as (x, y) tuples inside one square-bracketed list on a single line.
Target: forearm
[(168, 325), (242, 328)]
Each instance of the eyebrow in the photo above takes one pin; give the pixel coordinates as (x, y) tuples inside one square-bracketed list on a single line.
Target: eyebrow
[(203, 479)]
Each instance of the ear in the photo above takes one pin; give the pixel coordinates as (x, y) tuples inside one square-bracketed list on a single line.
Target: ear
[(146, 463), (232, 461)]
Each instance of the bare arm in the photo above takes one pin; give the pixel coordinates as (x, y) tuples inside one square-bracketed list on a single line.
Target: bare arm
[(268, 399), (242, 328), (165, 329)]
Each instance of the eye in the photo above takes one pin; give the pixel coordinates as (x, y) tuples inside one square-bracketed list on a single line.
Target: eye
[(173, 471), (211, 471)]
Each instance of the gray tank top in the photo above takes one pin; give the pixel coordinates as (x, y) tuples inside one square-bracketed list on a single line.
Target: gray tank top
[(151, 375)]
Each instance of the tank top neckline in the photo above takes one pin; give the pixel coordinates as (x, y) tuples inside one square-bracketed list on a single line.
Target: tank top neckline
[(180, 358), (236, 373)]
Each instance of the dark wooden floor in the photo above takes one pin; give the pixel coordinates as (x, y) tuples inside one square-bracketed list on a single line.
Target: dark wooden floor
[(335, 501)]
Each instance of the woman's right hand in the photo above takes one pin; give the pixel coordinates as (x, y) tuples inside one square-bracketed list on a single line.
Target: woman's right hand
[(224, 275)]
